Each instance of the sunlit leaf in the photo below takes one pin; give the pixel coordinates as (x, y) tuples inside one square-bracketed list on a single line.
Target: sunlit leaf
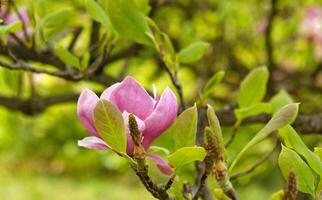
[(128, 21), (67, 57), (253, 87), (109, 123), (212, 83), (55, 23), (193, 52), (186, 155), (281, 99), (97, 12), (290, 161), (293, 140), (10, 28), (258, 108), (283, 117), (185, 127)]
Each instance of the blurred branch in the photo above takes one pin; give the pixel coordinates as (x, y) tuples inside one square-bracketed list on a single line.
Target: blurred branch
[(304, 124), (268, 35), (175, 81)]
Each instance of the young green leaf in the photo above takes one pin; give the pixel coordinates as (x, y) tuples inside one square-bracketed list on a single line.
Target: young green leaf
[(193, 52), (243, 113), (253, 87), (85, 60), (109, 123), (281, 99), (55, 23), (289, 161), (10, 28), (186, 155), (211, 84), (293, 140), (97, 13), (128, 21), (283, 117), (67, 57), (41, 7), (318, 151), (278, 195), (185, 127), (143, 6)]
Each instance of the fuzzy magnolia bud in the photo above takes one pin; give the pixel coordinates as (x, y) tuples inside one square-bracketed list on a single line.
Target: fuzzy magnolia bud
[(290, 191), (136, 137), (216, 150), (134, 130), (215, 126)]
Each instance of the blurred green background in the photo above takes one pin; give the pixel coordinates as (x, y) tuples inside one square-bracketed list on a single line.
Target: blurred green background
[(39, 156)]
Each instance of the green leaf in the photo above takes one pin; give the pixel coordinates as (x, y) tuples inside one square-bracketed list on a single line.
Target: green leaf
[(253, 87), (109, 123), (281, 99), (143, 6), (54, 23), (97, 13), (278, 195), (10, 28), (212, 83), (293, 140), (318, 151), (41, 8), (158, 150), (289, 161), (128, 21), (283, 117), (186, 155), (220, 195), (258, 108), (85, 60), (67, 57), (185, 127), (193, 52)]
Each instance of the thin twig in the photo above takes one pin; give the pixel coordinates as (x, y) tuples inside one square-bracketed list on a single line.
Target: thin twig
[(257, 164)]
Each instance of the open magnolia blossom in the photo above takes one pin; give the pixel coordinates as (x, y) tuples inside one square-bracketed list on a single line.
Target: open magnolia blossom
[(153, 115)]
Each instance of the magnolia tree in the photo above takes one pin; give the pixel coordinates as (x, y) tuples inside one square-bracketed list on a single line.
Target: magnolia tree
[(128, 119)]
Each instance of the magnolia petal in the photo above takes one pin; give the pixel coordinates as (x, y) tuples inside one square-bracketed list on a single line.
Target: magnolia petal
[(93, 143), (162, 164), (85, 107), (107, 93), (161, 118), (140, 123), (133, 98)]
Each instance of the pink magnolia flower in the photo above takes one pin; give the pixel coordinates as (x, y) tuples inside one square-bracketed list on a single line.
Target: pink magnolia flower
[(153, 115), (311, 25)]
